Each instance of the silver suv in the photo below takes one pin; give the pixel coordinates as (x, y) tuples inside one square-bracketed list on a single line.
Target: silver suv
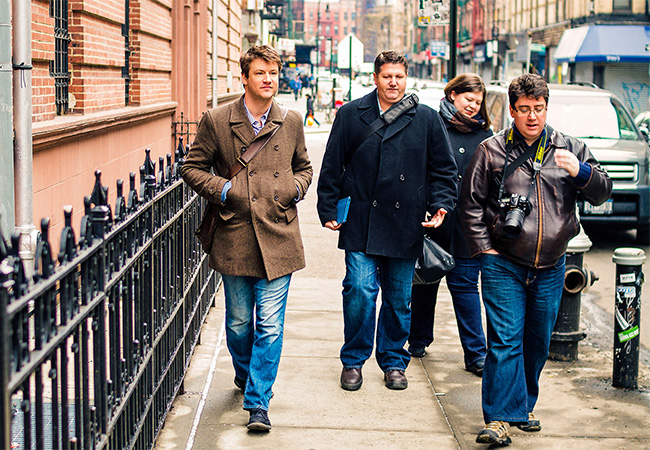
[(599, 119)]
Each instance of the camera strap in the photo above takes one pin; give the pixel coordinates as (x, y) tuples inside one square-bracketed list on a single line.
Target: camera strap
[(508, 169)]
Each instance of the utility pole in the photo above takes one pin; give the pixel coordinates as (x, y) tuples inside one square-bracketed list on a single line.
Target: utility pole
[(453, 38)]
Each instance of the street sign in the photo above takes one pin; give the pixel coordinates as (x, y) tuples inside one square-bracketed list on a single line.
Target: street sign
[(438, 48), (433, 12)]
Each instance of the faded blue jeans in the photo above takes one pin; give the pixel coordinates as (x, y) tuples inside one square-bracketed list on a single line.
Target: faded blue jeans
[(521, 306), (364, 274), (255, 310)]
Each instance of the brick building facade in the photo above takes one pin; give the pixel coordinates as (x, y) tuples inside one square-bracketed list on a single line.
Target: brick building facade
[(130, 69)]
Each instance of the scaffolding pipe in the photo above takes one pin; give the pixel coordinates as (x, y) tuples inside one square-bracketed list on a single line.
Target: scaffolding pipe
[(23, 160)]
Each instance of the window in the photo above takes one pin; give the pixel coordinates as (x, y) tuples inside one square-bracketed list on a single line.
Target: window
[(311, 28), (622, 5), (327, 30), (345, 15), (127, 53), (59, 67), (345, 31), (336, 30), (336, 16), (311, 15)]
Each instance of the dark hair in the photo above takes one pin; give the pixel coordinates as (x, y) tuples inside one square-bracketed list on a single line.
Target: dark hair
[(469, 82), (527, 85), (265, 52), (391, 57)]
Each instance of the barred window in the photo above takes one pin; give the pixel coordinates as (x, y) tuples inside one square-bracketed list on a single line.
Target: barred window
[(127, 53), (59, 67)]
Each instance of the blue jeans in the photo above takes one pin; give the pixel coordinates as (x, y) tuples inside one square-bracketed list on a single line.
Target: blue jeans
[(363, 276), (462, 282), (254, 329), (521, 306)]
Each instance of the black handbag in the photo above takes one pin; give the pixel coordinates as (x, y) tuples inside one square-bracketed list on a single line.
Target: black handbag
[(434, 263)]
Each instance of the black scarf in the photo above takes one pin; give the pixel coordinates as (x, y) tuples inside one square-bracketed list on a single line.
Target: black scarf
[(459, 120)]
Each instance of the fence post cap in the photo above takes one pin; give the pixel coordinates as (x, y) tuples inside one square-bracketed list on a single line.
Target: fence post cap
[(629, 256)]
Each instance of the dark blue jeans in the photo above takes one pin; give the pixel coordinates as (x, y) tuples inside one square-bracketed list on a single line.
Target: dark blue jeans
[(255, 310), (363, 276), (521, 306), (462, 282)]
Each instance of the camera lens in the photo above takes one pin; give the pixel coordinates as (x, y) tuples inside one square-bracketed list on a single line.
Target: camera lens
[(514, 221)]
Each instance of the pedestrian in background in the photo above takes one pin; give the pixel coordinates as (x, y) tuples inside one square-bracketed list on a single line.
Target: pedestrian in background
[(522, 244), (257, 244), (396, 175), (465, 116), (310, 110), (296, 86)]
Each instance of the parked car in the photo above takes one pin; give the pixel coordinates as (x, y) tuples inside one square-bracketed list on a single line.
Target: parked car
[(599, 119)]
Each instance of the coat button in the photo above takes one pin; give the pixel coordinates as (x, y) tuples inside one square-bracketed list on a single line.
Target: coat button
[(253, 199), (461, 150), (397, 205), (460, 177), (276, 220), (248, 221), (211, 190), (243, 150), (251, 173), (401, 177), (276, 147), (374, 203), (276, 174), (276, 198)]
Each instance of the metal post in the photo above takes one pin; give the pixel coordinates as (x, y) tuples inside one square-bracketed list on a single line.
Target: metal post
[(350, 88), (453, 38), (627, 315), (22, 90)]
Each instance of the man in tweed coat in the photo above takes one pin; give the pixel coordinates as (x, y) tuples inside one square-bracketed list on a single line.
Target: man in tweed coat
[(257, 245)]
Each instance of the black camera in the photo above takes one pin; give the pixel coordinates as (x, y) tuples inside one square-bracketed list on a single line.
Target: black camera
[(518, 207)]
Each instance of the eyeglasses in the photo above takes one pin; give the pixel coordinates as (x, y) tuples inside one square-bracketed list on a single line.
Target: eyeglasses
[(526, 110)]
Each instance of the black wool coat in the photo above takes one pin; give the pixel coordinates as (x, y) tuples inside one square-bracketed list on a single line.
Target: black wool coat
[(463, 145), (395, 176)]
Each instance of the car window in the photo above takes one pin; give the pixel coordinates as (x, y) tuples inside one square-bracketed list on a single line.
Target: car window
[(593, 117), (495, 110)]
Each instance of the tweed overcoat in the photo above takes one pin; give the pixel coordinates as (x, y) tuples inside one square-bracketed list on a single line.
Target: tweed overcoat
[(258, 233), (395, 177)]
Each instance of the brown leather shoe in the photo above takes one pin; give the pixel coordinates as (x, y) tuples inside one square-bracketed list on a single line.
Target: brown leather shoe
[(395, 379), (351, 379)]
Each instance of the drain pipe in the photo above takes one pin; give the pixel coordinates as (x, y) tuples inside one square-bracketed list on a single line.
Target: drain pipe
[(23, 161)]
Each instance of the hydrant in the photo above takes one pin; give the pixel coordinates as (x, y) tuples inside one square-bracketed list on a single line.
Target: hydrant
[(577, 279)]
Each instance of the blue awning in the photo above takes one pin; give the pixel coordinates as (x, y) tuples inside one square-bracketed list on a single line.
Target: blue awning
[(606, 43)]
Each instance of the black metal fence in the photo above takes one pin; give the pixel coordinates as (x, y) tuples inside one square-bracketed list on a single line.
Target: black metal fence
[(96, 349)]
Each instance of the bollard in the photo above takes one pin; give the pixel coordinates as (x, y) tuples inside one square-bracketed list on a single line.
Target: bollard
[(577, 279), (627, 316)]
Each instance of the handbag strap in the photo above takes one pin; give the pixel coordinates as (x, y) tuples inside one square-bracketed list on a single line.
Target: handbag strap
[(245, 159)]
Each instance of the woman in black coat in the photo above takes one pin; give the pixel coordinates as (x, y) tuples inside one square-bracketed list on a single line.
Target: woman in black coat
[(464, 113)]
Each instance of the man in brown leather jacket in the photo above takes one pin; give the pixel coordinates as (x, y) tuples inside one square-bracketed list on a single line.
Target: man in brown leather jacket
[(520, 226)]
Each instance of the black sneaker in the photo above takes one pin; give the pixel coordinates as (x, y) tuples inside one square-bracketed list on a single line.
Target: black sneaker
[(259, 420), (533, 424), (417, 352), (476, 368), (495, 432), (240, 383)]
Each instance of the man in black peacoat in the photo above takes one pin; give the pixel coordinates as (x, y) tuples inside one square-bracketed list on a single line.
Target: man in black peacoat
[(400, 179)]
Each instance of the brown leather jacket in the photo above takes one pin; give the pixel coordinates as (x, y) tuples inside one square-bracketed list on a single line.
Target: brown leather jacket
[(552, 221)]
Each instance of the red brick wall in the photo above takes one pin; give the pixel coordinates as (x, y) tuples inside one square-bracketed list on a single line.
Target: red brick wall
[(42, 54)]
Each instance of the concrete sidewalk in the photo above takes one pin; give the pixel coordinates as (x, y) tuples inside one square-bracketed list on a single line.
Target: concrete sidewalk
[(441, 409)]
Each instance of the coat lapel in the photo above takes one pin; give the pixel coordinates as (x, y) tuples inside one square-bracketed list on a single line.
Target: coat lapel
[(239, 123), (399, 124), (368, 108)]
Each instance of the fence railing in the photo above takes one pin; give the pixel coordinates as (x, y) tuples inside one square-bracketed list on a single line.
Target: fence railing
[(96, 349)]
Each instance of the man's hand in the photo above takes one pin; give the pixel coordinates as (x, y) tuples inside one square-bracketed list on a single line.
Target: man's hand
[(567, 161), (491, 252), (333, 225), (436, 220)]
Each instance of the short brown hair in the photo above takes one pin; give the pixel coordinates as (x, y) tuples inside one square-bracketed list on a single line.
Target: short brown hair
[(265, 52), (527, 85), (390, 57), (469, 82)]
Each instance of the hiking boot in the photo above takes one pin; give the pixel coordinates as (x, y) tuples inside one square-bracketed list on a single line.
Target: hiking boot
[(495, 432), (533, 424)]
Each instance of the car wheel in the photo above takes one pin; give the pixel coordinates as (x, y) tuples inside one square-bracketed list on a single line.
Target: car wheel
[(643, 235)]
